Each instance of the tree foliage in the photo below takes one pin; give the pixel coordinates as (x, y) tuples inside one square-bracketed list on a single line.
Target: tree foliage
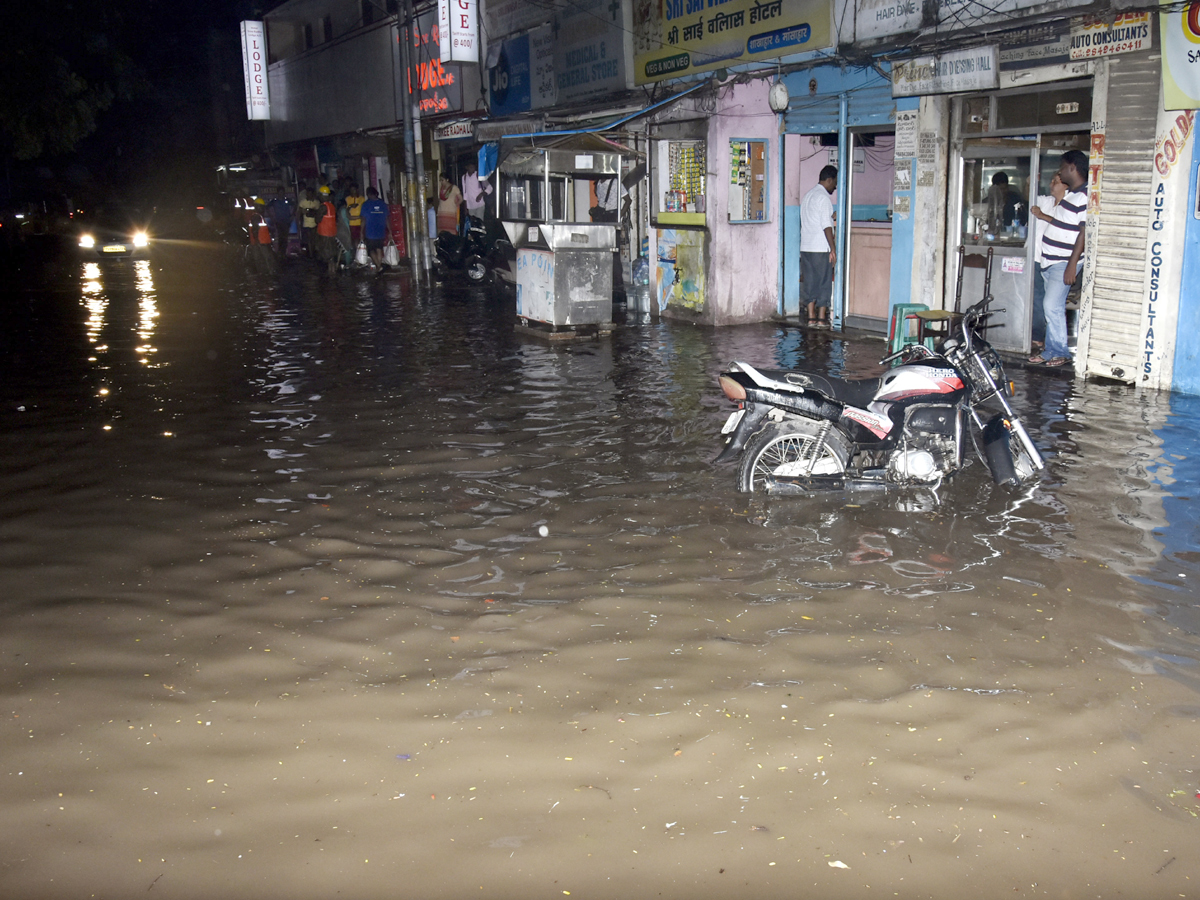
[(62, 70)]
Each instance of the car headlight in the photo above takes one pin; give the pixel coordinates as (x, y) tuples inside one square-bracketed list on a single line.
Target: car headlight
[(87, 242), (141, 239)]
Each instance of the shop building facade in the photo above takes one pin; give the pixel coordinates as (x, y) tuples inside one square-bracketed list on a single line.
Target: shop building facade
[(921, 108)]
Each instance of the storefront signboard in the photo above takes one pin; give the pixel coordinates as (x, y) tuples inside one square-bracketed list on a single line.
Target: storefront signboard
[(1180, 31), (590, 49), (1125, 34), (976, 69), (254, 69), (678, 37), (1045, 44), (437, 87), (885, 18), (509, 78), (505, 17), (458, 21), (453, 131)]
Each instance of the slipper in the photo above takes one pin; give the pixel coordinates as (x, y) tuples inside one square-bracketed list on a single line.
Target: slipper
[(812, 321), (1037, 345), (1056, 362), (1036, 360)]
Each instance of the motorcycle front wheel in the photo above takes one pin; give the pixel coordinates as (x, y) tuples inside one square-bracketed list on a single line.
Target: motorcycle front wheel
[(476, 270), (791, 449), (1006, 456)]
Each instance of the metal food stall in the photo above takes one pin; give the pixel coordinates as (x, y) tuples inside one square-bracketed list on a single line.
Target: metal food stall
[(564, 260)]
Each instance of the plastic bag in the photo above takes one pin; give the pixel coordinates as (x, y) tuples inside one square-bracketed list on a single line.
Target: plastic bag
[(360, 255), (391, 255)]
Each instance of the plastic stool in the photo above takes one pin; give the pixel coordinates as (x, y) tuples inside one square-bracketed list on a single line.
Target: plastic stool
[(899, 334)]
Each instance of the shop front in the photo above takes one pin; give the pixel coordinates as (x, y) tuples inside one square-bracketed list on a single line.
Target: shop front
[(714, 215), (846, 117), (1006, 148)]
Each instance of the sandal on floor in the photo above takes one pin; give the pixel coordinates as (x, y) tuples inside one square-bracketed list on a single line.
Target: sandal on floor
[(1056, 362), (1036, 360)]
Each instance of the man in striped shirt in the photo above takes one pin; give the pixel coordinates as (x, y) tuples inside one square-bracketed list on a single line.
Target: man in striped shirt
[(1062, 246)]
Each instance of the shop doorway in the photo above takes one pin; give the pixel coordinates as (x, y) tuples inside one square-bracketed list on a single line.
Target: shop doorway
[(1001, 179), (868, 263)]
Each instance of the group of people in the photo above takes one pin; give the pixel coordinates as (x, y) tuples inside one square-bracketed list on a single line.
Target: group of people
[(1058, 247), (328, 222)]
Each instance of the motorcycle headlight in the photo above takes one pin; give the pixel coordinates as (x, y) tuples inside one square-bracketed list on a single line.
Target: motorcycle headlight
[(141, 239), (87, 242)]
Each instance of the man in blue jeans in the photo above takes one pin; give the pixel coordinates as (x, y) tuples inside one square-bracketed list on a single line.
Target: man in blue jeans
[(1062, 246)]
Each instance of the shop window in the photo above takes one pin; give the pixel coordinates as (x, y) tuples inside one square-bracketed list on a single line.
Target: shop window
[(308, 36), (368, 12), (327, 28), (996, 200), (679, 194), (747, 180)]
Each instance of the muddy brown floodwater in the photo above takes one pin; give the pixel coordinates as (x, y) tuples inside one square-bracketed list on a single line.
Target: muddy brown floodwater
[(319, 590)]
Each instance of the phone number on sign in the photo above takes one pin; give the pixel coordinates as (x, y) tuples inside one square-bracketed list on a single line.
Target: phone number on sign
[(1107, 49)]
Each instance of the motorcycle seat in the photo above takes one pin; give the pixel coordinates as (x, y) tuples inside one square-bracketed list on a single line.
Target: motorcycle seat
[(859, 392)]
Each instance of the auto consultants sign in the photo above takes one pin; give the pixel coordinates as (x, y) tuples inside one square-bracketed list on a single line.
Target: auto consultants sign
[(459, 24), (1127, 33), (677, 37), (254, 68), (964, 70)]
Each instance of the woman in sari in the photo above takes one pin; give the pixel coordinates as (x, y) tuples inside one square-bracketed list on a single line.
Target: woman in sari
[(449, 201)]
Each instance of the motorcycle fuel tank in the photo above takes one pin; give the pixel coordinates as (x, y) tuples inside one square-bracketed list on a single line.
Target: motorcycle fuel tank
[(908, 382)]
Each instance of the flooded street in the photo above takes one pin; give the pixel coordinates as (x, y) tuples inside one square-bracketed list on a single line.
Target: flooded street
[(317, 588)]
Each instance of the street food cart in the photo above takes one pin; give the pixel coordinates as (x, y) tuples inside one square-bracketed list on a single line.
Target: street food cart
[(564, 261)]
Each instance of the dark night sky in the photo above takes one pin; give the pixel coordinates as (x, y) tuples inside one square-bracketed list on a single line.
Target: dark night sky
[(183, 111)]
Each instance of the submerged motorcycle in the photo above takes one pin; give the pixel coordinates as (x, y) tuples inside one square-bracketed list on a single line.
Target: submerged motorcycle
[(477, 254), (797, 431)]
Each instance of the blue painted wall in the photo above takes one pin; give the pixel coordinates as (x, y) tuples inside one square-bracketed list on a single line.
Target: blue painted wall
[(1186, 374)]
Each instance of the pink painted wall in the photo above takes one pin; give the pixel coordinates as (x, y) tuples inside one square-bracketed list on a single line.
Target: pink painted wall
[(743, 259)]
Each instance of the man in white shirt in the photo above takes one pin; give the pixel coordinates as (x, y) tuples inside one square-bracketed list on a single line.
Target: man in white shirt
[(475, 191), (817, 248)]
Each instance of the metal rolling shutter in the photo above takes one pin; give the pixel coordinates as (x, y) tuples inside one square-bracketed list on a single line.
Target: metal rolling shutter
[(813, 115), (1118, 292), (868, 105)]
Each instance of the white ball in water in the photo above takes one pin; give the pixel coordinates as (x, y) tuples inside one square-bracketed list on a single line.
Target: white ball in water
[(543, 530)]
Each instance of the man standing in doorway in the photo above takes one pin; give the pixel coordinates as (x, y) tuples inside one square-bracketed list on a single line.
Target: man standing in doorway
[(1062, 246), (475, 191), (818, 255)]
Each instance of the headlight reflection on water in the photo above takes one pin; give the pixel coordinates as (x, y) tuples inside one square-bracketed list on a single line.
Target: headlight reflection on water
[(106, 297), (147, 308)]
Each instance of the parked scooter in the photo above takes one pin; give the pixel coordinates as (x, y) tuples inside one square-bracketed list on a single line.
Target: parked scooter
[(797, 431), (477, 253)]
